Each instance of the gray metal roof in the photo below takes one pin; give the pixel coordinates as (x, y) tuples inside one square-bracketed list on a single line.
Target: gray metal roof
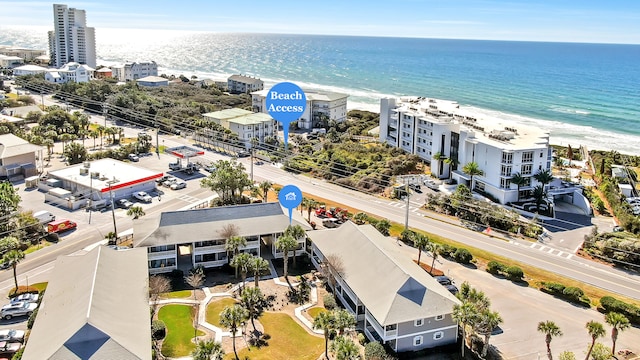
[(391, 286), (185, 226), (11, 145), (96, 307)]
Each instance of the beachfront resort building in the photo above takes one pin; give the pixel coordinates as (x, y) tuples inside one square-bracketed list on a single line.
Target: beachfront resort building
[(322, 107), (71, 39), (244, 123), (242, 84), (437, 130), (189, 238), (395, 301), (27, 55), (71, 72), (134, 71)]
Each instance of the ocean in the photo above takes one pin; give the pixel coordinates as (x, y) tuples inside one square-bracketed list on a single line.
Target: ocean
[(584, 94)]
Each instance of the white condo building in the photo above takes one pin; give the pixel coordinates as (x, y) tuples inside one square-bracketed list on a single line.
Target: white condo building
[(71, 40), (433, 129), (71, 72), (322, 106), (242, 84), (135, 70)]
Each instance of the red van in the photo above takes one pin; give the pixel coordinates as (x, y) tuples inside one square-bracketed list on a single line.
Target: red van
[(60, 226)]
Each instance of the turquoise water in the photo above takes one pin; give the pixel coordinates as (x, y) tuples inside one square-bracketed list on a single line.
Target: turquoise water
[(582, 93)]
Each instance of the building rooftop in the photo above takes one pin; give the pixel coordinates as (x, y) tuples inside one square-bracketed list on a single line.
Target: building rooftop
[(11, 145), (239, 116), (401, 291), (107, 171), (178, 227), (96, 307), (31, 68), (312, 95), (152, 78), (245, 79)]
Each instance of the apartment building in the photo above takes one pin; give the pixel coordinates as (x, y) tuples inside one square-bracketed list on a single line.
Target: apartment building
[(322, 107), (25, 54), (71, 72), (71, 39), (246, 124), (448, 137), (242, 84), (134, 71)]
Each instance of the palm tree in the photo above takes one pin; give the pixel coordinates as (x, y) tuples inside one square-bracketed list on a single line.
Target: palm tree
[(49, 143), (435, 249), (253, 300), (242, 263), (383, 226), (298, 233), (465, 314), (286, 243), (208, 350), (544, 177), (136, 212), (312, 204), (617, 321), (232, 246), (345, 349), (12, 258), (488, 321), (325, 321), (360, 218), (550, 330), (420, 241), (472, 169), (100, 129), (596, 330), (539, 194), (233, 317), (453, 164), (257, 266), (265, 186), (343, 319), (65, 138), (440, 158), (518, 180), (94, 134)]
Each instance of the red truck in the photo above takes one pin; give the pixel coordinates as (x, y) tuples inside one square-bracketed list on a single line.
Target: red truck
[(60, 226)]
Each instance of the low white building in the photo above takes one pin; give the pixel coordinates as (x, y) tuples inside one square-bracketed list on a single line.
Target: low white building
[(437, 130), (246, 124), (322, 107), (153, 81), (24, 54), (29, 70), (242, 84), (10, 61), (71, 72), (135, 70)]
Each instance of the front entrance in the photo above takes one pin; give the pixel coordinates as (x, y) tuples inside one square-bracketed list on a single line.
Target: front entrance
[(185, 262)]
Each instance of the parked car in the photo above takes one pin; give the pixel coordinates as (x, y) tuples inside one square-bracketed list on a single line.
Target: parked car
[(44, 216), (9, 348), (443, 280), (175, 166), (452, 289), (22, 308), (242, 154), (169, 181), (209, 168), (27, 297), (12, 335), (133, 157), (618, 228), (178, 185), (124, 203), (142, 196), (162, 179), (60, 226)]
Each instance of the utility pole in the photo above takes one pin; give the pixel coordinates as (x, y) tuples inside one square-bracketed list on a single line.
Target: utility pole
[(105, 111), (113, 213), (155, 124), (90, 188), (406, 214)]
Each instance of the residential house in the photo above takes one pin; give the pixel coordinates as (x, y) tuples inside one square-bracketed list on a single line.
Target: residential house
[(242, 84), (18, 157), (153, 81), (246, 124), (71, 39), (394, 300), (194, 237), (135, 70), (436, 130), (322, 107), (103, 73), (96, 307), (71, 72)]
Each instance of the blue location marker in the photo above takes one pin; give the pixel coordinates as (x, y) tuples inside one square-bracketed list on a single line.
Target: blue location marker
[(286, 102), (290, 197)]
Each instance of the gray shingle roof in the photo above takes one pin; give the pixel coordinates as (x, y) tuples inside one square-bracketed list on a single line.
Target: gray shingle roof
[(11, 145), (391, 286)]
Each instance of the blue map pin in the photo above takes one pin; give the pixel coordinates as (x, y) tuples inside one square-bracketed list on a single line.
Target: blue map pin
[(286, 102), (290, 197)]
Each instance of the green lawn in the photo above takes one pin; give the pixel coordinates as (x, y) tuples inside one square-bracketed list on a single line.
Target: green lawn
[(314, 311), (40, 286), (180, 294), (179, 322), (38, 246), (215, 308), (288, 341)]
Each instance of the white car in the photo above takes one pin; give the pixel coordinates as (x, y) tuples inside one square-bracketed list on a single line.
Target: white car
[(178, 185), (17, 309), (12, 335), (27, 297), (142, 196)]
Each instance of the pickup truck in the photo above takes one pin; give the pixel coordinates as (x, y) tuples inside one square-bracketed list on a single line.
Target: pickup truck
[(175, 166)]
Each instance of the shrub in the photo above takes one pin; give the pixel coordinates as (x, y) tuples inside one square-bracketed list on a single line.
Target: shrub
[(552, 288), (494, 267), (361, 338), (374, 351), (463, 256), (32, 319), (329, 302), (611, 304), (158, 329), (22, 290), (447, 250), (573, 293), (514, 273)]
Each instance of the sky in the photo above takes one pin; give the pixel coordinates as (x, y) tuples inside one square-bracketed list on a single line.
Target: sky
[(598, 21)]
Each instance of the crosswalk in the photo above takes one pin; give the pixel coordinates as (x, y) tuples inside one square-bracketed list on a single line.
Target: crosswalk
[(188, 198), (401, 205), (551, 251)]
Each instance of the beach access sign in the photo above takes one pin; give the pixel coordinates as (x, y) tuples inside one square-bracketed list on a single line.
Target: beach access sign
[(286, 102)]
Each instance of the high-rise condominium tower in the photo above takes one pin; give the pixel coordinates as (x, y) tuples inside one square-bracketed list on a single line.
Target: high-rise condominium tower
[(71, 40)]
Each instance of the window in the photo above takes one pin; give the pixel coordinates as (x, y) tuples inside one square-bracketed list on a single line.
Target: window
[(438, 335), (161, 248), (507, 158), (526, 169), (390, 327), (505, 170), (417, 341), (418, 322), (439, 317), (505, 183), (527, 156)]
